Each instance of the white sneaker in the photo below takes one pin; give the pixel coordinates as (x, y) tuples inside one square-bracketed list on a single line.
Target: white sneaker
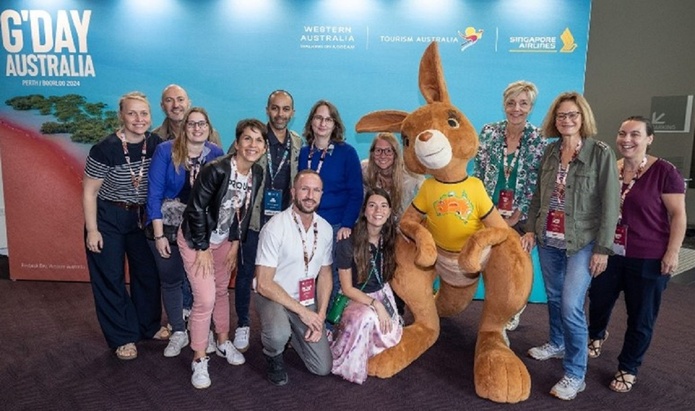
[(568, 388), (186, 314), (227, 350), (546, 351), (241, 339), (177, 341), (513, 323), (212, 345), (200, 378)]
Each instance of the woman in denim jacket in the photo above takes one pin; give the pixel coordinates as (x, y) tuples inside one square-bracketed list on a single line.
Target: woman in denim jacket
[(572, 215)]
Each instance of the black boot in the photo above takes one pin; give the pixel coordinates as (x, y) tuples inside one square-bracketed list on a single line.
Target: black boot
[(276, 370)]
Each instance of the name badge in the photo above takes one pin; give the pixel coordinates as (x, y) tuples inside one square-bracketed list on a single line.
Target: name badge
[(504, 204), (620, 240), (555, 225), (307, 291), (272, 202)]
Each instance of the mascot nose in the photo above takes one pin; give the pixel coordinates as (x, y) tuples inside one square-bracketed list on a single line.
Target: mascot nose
[(425, 135)]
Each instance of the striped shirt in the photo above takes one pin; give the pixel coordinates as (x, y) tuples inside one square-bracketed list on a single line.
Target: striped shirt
[(106, 161)]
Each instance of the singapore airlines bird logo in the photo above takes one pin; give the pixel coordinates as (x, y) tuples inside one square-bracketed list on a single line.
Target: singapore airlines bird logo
[(470, 36), (568, 44)]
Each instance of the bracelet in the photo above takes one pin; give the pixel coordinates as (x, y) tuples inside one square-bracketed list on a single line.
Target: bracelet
[(159, 237)]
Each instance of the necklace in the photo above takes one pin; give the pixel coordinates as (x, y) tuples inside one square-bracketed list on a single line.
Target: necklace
[(134, 179), (626, 188)]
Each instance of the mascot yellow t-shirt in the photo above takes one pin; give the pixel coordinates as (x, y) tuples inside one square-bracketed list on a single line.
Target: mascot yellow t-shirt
[(454, 211)]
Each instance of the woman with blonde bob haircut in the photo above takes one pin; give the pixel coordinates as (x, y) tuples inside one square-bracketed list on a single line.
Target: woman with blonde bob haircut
[(385, 169), (508, 159), (572, 216)]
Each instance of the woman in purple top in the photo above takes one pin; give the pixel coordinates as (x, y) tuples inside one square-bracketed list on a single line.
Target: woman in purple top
[(649, 236)]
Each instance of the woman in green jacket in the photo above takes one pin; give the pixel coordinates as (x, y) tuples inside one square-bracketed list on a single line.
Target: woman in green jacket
[(572, 216)]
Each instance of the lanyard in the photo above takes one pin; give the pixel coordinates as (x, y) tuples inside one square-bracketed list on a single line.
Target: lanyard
[(311, 154), (285, 154), (626, 189), (247, 199), (194, 169), (563, 171), (509, 167), (379, 255), (307, 257), (135, 180)]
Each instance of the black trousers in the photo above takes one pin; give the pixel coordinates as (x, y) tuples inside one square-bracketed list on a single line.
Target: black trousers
[(642, 283), (124, 317)]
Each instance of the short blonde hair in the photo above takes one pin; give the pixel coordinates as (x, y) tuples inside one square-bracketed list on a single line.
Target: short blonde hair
[(518, 87), (588, 128)]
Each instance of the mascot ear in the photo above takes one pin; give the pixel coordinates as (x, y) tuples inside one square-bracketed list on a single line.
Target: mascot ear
[(432, 84), (383, 120)]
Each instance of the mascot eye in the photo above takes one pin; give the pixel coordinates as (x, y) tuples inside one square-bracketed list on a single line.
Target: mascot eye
[(405, 140), (453, 123)]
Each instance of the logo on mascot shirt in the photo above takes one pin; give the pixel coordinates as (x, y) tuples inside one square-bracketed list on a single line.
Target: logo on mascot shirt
[(448, 203)]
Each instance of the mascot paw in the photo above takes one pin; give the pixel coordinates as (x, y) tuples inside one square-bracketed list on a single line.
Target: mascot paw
[(501, 376), (426, 255), (381, 366)]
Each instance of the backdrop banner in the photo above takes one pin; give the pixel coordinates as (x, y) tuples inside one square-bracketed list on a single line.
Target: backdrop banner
[(67, 62)]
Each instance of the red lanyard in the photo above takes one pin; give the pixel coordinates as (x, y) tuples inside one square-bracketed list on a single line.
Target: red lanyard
[(194, 169), (307, 257), (626, 189), (311, 154), (135, 180), (563, 171)]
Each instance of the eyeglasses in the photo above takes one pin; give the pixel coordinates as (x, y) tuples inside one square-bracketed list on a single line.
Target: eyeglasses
[(572, 115), (388, 152), (199, 124), (321, 119)]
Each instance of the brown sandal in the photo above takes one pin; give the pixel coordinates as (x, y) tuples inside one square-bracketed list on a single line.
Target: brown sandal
[(595, 346), (621, 377), (127, 352)]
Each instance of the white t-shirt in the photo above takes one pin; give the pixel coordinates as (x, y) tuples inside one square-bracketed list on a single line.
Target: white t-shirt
[(280, 246), (233, 200)]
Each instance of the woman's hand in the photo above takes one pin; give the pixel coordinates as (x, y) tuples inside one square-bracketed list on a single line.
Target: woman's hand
[(598, 264), (162, 246), (94, 241), (669, 263), (343, 233), (385, 323), (203, 264), (528, 240)]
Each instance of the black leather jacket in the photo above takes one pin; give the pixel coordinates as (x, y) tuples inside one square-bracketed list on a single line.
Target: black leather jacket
[(202, 212)]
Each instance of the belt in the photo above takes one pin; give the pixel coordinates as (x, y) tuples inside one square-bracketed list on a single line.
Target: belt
[(124, 205)]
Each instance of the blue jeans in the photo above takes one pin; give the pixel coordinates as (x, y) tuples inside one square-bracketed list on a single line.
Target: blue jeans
[(246, 266), (567, 280), (171, 277)]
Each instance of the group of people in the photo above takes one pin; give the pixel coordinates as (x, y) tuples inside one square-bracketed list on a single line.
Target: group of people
[(300, 222), (280, 214), (601, 226)]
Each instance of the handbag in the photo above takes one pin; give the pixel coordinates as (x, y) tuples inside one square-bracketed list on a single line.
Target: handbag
[(172, 216), (336, 312), (341, 301)]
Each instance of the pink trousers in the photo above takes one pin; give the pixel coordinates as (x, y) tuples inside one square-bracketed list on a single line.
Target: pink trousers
[(210, 294)]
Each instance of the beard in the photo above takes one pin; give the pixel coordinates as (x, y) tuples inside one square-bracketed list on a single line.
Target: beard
[(308, 209)]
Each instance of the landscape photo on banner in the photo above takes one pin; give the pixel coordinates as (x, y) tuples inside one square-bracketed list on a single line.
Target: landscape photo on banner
[(66, 64)]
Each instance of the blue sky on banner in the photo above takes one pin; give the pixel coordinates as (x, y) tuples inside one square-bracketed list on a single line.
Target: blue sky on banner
[(363, 55)]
